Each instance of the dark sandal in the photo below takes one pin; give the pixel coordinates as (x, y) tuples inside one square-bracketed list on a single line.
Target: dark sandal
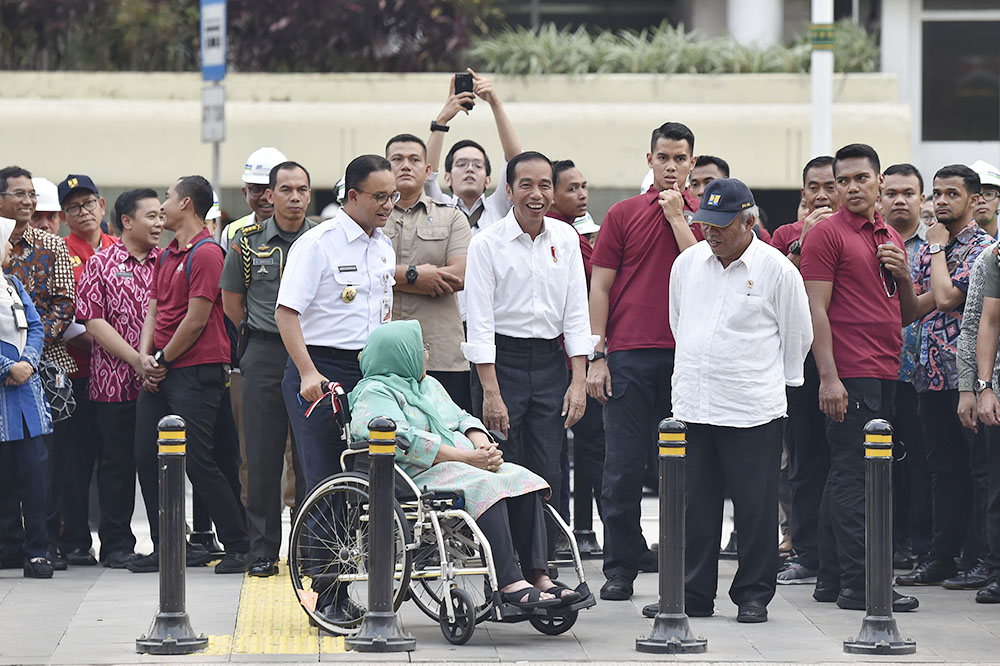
[(560, 590), (534, 599)]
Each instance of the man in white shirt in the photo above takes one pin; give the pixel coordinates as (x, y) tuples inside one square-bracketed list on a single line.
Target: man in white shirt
[(525, 287), (741, 322)]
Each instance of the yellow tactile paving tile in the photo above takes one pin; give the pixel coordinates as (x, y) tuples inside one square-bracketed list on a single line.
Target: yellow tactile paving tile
[(270, 621)]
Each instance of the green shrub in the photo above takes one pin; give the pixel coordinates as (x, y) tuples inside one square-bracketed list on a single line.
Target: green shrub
[(663, 49)]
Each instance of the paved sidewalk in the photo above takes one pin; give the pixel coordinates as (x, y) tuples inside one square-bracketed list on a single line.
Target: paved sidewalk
[(92, 615)]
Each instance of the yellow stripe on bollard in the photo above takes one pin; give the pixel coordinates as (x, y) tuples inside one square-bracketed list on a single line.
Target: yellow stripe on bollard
[(672, 436), (173, 448), (381, 448), (878, 453), (673, 451), (172, 434), (878, 439), (379, 434)]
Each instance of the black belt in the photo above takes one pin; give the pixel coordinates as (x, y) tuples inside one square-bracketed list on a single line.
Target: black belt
[(334, 353), (265, 336), (527, 344)]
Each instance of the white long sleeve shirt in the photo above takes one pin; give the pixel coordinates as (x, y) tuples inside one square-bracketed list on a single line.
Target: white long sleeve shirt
[(742, 335), (525, 288)]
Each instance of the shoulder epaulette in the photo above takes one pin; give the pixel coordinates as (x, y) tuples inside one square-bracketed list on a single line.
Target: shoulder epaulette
[(251, 228)]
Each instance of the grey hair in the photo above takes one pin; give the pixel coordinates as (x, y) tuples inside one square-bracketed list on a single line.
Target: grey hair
[(747, 213)]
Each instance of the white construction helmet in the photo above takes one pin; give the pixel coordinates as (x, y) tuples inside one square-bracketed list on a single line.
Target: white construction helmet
[(258, 166), (214, 212), (48, 195), (988, 174)]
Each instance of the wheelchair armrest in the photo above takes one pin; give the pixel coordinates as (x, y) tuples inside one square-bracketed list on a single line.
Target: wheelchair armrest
[(358, 445), (497, 436)]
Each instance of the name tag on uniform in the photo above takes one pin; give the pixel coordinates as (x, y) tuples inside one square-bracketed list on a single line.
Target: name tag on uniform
[(20, 319), (347, 269), (263, 261), (386, 308), (123, 274)]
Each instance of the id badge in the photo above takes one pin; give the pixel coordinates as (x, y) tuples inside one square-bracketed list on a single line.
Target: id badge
[(60, 380), (20, 319), (386, 308)]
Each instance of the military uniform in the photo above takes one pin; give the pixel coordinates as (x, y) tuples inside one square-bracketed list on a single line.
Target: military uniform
[(253, 268)]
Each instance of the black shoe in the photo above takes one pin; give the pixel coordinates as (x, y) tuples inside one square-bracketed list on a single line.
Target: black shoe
[(346, 611), (119, 559), (929, 572), (649, 562), (902, 558), (989, 594), (650, 611), (826, 592), (263, 567), (145, 563), (37, 567), (971, 579), (208, 541), (752, 612), (617, 588), (233, 563), (196, 556), (56, 559), (79, 557), (729, 552), (563, 550), (851, 599)]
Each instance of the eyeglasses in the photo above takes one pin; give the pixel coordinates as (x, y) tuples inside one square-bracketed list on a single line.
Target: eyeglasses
[(989, 195), (76, 209), (256, 189), (381, 198), (475, 164), (21, 194)]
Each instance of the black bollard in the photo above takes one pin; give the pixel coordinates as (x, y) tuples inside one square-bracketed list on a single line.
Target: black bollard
[(381, 630), (671, 633), (879, 634), (171, 631)]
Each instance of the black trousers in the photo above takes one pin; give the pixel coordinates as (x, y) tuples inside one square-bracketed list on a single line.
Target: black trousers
[(911, 477), (842, 512), (24, 473), (195, 393), (957, 462), (116, 475), (808, 464), (993, 501), (228, 458), (515, 528), (81, 442), (265, 424), (532, 378), (458, 385), (640, 382), (588, 465), (317, 439), (746, 461)]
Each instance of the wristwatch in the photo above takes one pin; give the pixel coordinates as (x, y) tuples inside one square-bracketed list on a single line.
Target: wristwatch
[(795, 247), (596, 355), (438, 127), (982, 385), (411, 275), (161, 358), (934, 248)]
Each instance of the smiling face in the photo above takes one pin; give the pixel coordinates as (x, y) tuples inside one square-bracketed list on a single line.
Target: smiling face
[(571, 195), (17, 202), (531, 191), (671, 162), (467, 177), (858, 185), (144, 226), (258, 203)]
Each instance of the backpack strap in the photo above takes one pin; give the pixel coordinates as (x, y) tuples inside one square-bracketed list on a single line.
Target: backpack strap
[(190, 256)]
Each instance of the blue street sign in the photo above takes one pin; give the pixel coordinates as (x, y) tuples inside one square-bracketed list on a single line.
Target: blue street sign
[(213, 40)]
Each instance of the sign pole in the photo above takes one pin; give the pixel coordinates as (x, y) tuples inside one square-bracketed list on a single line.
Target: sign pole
[(213, 95)]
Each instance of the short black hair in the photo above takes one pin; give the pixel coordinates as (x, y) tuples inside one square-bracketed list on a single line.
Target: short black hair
[(449, 159), (272, 177), (361, 167), (816, 163), (558, 166), (672, 132), (969, 177), (199, 190), (12, 172), (853, 150), (905, 169), (526, 156), (705, 160), (127, 202), (405, 138)]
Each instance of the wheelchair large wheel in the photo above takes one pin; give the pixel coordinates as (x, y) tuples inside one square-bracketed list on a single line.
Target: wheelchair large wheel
[(427, 587), (328, 550)]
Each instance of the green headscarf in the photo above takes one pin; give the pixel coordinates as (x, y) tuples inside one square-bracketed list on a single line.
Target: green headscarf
[(393, 356)]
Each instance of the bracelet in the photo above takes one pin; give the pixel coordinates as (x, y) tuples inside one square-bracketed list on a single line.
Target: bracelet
[(437, 127)]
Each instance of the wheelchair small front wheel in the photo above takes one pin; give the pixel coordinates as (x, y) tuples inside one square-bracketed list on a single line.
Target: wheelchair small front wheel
[(553, 625), (460, 631)]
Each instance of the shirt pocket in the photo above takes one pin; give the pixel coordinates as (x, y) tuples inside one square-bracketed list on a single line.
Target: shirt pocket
[(433, 232), (264, 268)]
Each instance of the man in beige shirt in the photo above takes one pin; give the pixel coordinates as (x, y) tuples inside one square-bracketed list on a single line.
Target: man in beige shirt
[(431, 239)]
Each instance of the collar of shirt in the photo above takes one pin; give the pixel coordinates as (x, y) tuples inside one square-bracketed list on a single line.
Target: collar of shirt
[(118, 253), (80, 247), (478, 203), (424, 201), (690, 202), (175, 248), (920, 232), (512, 228), (967, 234), (858, 222), (353, 230), (746, 258)]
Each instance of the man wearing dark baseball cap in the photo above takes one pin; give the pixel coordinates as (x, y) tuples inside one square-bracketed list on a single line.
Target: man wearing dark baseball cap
[(78, 437), (741, 321)]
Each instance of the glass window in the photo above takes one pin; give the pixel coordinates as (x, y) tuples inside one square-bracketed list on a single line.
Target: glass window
[(961, 81), (961, 4)]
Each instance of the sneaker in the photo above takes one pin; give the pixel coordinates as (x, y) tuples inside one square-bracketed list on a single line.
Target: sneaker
[(37, 567), (233, 563), (929, 572), (796, 574), (971, 579)]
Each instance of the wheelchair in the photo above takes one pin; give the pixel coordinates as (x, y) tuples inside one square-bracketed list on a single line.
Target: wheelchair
[(442, 560)]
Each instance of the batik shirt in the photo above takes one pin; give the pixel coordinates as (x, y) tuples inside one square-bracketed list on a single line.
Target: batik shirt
[(911, 334), (937, 368)]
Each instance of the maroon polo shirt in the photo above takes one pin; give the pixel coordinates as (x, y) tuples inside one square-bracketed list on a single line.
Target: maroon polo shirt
[(785, 234), (172, 290), (636, 241), (866, 326)]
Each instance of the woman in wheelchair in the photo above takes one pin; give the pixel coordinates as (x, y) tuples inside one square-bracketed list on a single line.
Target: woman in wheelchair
[(451, 451)]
